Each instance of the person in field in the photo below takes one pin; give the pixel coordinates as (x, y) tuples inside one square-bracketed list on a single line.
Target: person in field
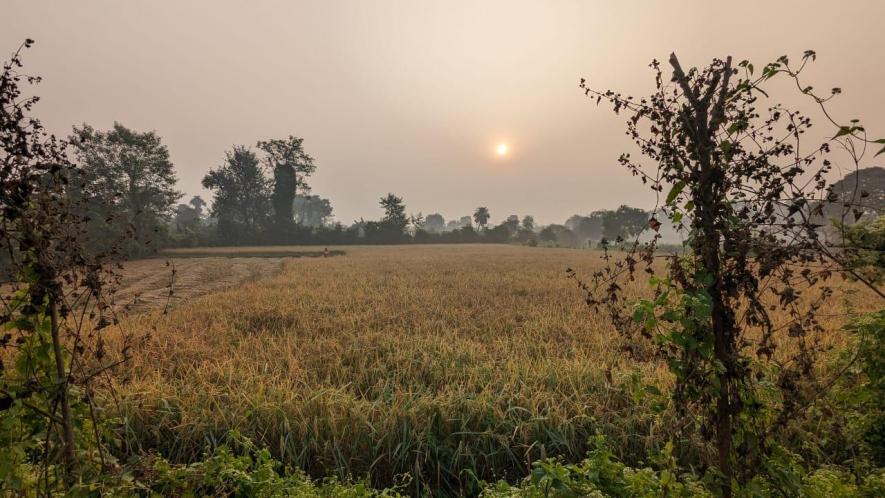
[(325, 252)]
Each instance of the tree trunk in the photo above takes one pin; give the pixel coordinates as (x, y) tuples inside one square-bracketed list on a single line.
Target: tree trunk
[(708, 250), (62, 395), (702, 118)]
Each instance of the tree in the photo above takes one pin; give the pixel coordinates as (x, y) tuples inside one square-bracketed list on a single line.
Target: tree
[(741, 184), (241, 196), (548, 234), (128, 180), (586, 228), (623, 222), (559, 235), (186, 218), (198, 204), (528, 222), (290, 166), (311, 210), (481, 217), (511, 224), (417, 221), (394, 223), (435, 223)]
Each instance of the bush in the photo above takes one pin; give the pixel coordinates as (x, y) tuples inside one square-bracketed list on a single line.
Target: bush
[(602, 475)]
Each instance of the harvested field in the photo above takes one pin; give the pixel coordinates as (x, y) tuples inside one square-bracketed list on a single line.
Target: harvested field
[(146, 283)]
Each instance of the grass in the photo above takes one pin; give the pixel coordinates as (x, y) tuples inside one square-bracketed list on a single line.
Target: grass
[(428, 366)]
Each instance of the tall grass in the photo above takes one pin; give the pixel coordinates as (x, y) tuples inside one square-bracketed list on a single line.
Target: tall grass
[(429, 366)]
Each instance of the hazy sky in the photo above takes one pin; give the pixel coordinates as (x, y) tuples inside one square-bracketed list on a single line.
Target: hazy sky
[(413, 96)]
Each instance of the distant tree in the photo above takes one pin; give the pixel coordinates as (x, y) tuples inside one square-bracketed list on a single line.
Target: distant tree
[(624, 222), (548, 234), (435, 223), (586, 228), (188, 228), (393, 225), (466, 233), (186, 218), (525, 236), (241, 196), (466, 221), (422, 236), (417, 221), (290, 166), (496, 235), (311, 210), (528, 222), (481, 217), (558, 234), (511, 224), (128, 184), (198, 204)]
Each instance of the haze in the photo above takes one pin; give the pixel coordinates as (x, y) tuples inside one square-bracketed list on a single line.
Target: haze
[(414, 97)]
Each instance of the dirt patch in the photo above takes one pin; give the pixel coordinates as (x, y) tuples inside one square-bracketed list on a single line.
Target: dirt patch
[(145, 282), (251, 252)]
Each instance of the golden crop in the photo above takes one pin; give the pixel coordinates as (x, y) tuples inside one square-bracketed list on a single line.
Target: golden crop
[(433, 365)]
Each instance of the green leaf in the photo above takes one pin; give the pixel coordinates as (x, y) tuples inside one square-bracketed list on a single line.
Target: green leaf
[(843, 130), (677, 188)]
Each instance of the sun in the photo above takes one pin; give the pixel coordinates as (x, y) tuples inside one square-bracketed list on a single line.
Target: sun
[(502, 149)]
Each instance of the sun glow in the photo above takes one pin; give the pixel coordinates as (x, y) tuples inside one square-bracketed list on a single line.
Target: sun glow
[(502, 149)]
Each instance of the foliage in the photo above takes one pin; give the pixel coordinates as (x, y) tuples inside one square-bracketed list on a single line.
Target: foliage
[(623, 222), (311, 210), (601, 474), (481, 217), (290, 166), (745, 190), (241, 201), (863, 245), (559, 235), (54, 299), (528, 222), (861, 396), (392, 227), (435, 223), (235, 468), (511, 224), (127, 187)]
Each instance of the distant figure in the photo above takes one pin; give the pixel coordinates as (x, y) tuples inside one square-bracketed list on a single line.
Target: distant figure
[(325, 252)]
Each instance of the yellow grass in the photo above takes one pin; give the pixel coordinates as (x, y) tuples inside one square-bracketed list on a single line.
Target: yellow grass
[(420, 364)]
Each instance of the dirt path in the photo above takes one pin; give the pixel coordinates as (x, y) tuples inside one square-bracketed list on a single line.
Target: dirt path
[(145, 283)]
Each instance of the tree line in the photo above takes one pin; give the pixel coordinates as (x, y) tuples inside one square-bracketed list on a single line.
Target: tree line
[(261, 195)]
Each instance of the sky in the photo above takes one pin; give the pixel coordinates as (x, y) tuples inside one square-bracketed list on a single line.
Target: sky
[(413, 97)]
